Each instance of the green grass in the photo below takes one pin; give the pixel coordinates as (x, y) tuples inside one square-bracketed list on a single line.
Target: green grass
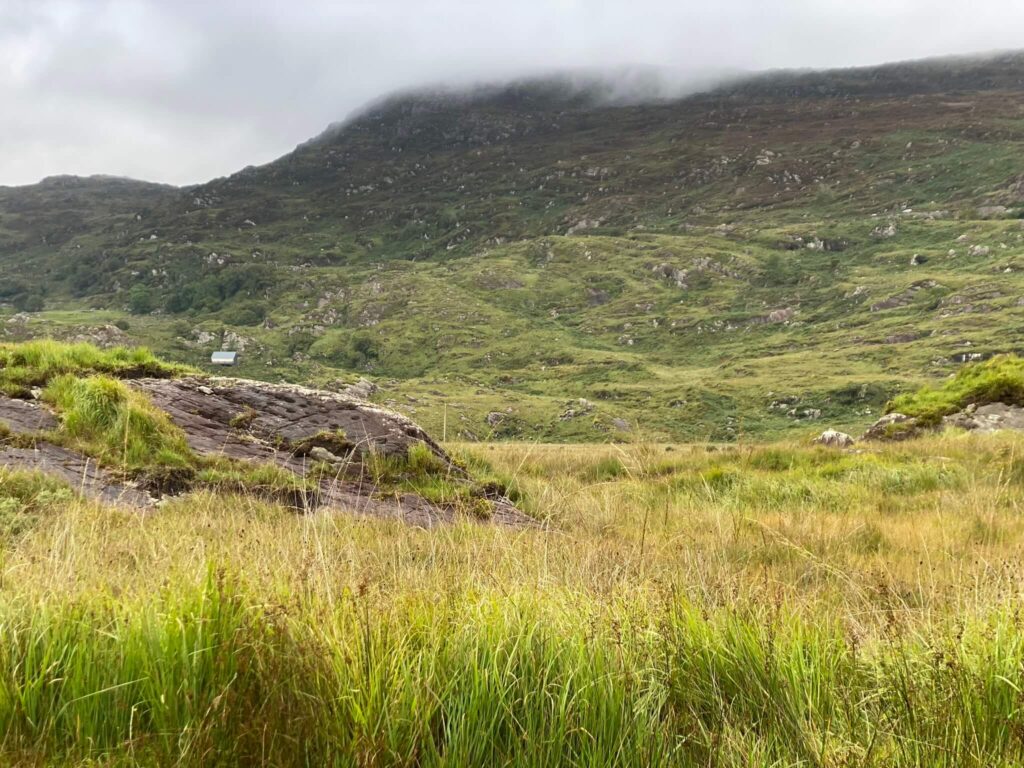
[(212, 675), (35, 363), (25, 497), (105, 418), (264, 481), (703, 605), (999, 380)]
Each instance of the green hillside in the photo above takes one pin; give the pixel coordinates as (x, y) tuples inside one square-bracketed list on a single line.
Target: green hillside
[(777, 256)]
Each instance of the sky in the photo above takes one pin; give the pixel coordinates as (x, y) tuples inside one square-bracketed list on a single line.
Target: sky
[(182, 91)]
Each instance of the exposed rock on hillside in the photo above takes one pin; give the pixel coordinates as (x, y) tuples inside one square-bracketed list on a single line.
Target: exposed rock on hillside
[(834, 439), (893, 426), (338, 444), (987, 418)]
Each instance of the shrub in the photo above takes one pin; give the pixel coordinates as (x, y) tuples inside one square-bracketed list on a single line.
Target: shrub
[(140, 300)]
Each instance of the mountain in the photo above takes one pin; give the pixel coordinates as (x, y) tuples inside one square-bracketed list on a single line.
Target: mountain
[(548, 259)]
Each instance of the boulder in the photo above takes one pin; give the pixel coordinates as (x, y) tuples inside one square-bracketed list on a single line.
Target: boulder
[(834, 439), (363, 389), (893, 427), (992, 211), (987, 418)]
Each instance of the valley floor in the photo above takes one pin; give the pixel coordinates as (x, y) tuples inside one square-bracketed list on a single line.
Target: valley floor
[(686, 605)]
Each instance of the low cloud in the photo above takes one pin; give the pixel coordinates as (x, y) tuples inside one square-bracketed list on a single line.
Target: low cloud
[(187, 90)]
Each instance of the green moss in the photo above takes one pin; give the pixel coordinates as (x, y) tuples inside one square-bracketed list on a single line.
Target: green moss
[(999, 380), (335, 441)]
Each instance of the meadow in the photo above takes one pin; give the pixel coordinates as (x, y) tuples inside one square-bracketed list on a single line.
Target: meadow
[(699, 605)]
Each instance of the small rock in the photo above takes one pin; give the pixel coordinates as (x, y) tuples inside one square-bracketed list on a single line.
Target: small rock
[(804, 413), (891, 427), (886, 231), (322, 454), (204, 389), (494, 418), (576, 408), (834, 439)]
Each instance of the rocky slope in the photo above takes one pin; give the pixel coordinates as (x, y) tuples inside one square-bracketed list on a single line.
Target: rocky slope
[(757, 260)]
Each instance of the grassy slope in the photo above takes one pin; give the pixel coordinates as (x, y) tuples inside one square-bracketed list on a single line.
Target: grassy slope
[(778, 605), (436, 245)]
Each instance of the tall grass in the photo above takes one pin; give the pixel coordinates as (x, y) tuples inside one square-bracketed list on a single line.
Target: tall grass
[(699, 606), (105, 418), (211, 674), (34, 363)]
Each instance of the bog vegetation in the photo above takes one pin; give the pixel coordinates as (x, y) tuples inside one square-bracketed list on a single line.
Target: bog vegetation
[(700, 605), (743, 264)]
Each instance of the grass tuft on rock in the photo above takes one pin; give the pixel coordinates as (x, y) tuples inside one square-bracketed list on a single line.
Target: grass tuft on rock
[(104, 418), (999, 380), (35, 363)]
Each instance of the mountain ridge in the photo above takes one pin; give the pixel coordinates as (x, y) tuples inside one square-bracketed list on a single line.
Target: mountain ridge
[(664, 263)]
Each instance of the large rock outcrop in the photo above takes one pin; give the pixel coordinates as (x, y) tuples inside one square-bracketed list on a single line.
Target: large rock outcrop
[(987, 418), (327, 438)]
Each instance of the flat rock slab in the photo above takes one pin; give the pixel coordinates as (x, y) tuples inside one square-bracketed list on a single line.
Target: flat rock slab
[(257, 421), (221, 415), (78, 471), (24, 417), (254, 421), (988, 418)]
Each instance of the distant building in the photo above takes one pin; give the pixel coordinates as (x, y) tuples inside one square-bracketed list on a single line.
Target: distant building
[(224, 358)]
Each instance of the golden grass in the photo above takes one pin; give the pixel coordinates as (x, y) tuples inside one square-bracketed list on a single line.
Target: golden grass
[(932, 526)]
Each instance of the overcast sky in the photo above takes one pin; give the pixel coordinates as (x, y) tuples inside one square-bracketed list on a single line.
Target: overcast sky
[(185, 90)]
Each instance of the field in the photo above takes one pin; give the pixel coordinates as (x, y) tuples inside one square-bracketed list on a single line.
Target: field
[(686, 605)]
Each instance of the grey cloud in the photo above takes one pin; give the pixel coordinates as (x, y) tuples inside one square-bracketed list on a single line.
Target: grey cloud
[(184, 90)]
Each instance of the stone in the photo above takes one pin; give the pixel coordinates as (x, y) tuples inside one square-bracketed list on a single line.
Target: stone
[(804, 413), (576, 408), (987, 418), (885, 231), (992, 211), (287, 424), (622, 425), (322, 454), (23, 417), (363, 389), (893, 427), (78, 471), (834, 439), (495, 418)]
